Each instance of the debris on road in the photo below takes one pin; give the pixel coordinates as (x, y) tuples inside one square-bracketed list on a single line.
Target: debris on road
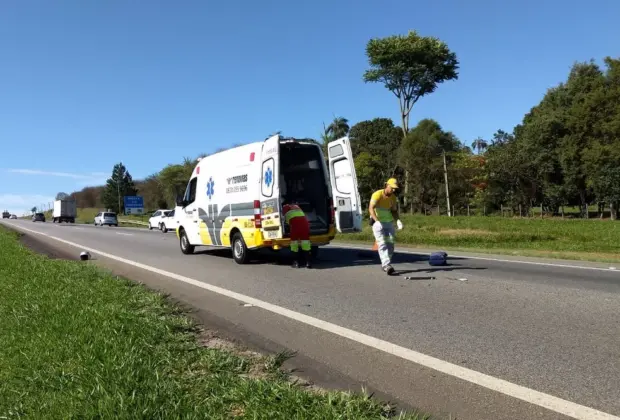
[(419, 278), (438, 258)]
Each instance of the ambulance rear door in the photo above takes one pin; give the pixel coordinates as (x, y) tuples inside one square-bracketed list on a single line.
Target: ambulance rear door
[(343, 180), (271, 219)]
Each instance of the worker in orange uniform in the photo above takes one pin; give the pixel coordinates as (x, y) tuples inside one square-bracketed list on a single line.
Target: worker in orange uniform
[(299, 232)]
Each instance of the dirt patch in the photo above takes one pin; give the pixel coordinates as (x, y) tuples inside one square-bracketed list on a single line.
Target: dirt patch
[(466, 232)]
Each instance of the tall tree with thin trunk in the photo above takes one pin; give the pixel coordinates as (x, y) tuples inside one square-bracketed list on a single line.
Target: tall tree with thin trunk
[(410, 66)]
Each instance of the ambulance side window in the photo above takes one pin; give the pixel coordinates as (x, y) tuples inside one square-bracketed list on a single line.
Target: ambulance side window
[(267, 178), (190, 192)]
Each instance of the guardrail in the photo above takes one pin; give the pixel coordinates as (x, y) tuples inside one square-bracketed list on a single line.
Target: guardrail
[(135, 222)]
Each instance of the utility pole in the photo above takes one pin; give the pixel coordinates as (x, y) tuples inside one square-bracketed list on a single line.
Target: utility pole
[(445, 177), (118, 191), (118, 187)]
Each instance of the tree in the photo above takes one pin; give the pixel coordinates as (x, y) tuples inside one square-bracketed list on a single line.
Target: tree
[(62, 196), (153, 192), (325, 139), (410, 67), (601, 156), (421, 154), (33, 210), (378, 140), (501, 137), (119, 185), (338, 128), (582, 125), (369, 175), (174, 178), (479, 144)]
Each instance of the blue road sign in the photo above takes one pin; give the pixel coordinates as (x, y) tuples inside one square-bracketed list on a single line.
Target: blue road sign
[(134, 204)]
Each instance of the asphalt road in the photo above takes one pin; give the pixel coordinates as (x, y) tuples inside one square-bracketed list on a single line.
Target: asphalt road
[(548, 328)]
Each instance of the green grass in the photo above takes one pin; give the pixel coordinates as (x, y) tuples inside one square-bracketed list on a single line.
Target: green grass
[(80, 343), (597, 240)]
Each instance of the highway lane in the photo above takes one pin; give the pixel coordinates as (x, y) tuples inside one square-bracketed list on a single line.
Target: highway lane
[(552, 329)]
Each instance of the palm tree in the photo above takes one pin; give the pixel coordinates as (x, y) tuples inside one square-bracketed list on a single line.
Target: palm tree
[(338, 128), (479, 144)]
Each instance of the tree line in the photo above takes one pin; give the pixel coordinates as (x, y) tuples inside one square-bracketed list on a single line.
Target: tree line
[(565, 152)]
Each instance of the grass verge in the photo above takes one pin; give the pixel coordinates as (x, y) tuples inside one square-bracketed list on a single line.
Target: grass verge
[(79, 343), (593, 240)]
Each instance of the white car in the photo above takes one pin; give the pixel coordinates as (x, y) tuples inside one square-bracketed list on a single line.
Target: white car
[(168, 222), (106, 218), (155, 219)]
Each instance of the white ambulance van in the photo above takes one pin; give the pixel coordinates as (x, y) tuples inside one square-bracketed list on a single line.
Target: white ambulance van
[(234, 198)]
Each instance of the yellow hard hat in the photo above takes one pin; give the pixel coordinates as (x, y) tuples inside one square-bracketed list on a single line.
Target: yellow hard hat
[(392, 183)]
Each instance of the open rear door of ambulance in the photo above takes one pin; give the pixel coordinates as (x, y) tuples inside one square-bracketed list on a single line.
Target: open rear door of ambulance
[(343, 179), (270, 218)]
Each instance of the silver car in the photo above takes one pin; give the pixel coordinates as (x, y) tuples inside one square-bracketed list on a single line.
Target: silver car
[(106, 218), (38, 217)]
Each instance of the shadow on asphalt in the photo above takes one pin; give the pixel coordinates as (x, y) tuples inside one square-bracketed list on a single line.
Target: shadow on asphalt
[(448, 267), (331, 258)]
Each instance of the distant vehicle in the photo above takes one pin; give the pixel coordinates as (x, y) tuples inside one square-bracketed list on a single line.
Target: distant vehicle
[(168, 222), (38, 217), (65, 210), (13, 217), (234, 198), (106, 218), (155, 219), (6, 215)]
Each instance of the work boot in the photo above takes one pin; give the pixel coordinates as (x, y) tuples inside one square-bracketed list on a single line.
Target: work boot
[(388, 269), (308, 258), (296, 262)]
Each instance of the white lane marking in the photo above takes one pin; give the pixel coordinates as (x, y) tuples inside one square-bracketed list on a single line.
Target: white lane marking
[(125, 234), (531, 396), (403, 251)]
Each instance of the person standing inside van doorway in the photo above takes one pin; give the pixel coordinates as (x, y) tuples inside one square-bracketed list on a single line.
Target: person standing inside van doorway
[(300, 234), (383, 211)]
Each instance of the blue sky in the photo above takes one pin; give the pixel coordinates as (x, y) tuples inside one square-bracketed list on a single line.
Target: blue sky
[(84, 85)]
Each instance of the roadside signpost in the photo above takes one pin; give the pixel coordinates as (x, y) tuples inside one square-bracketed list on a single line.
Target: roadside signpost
[(134, 204)]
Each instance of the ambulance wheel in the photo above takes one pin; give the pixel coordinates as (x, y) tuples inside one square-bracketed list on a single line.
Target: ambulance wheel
[(186, 247), (239, 250)]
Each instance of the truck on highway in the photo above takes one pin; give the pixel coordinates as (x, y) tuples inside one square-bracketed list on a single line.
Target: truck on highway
[(6, 214), (65, 210), (234, 198)]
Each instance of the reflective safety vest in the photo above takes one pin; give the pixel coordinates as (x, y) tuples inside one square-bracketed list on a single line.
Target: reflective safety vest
[(291, 211)]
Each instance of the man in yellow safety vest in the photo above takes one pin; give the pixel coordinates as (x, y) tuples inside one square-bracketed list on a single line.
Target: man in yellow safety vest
[(299, 232), (383, 211)]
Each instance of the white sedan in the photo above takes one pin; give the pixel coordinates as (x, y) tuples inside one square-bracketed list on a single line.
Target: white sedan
[(156, 218), (168, 222)]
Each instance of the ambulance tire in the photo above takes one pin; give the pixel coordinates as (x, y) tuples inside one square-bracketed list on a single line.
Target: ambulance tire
[(186, 247), (240, 251)]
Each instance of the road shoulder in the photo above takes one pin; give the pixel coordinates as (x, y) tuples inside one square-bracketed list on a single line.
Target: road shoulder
[(331, 361)]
